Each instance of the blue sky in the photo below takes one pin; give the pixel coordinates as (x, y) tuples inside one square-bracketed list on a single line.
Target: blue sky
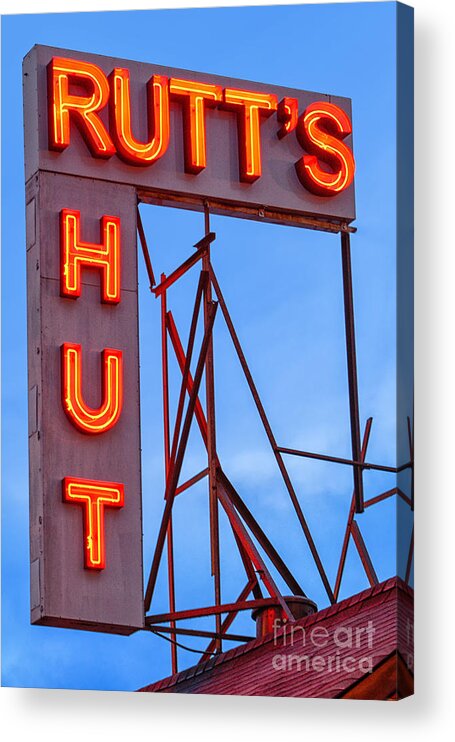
[(283, 287)]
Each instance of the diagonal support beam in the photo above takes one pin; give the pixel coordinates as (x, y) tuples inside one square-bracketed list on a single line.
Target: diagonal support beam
[(145, 250), (203, 279), (271, 437), (364, 555), (251, 550), (181, 360), (227, 622), (259, 534), (344, 548), (174, 476)]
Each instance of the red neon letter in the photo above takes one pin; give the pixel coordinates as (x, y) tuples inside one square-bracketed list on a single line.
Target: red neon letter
[(74, 253), (94, 496), (196, 96), (320, 130), (287, 114), (82, 108), (85, 418), (139, 153), (248, 106)]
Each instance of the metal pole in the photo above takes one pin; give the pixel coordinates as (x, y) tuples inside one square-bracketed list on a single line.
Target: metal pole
[(211, 442), (167, 453), (352, 369)]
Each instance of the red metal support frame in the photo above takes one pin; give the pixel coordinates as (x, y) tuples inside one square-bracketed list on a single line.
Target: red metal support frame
[(177, 464), (247, 532)]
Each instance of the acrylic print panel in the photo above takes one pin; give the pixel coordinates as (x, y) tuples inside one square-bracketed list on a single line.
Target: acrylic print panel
[(276, 467)]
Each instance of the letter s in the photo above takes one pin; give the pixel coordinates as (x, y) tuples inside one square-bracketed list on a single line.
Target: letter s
[(320, 131)]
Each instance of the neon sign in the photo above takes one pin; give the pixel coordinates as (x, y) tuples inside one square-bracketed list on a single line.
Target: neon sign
[(79, 91), (196, 97), (320, 130), (81, 108), (128, 147), (85, 418), (94, 497), (75, 254)]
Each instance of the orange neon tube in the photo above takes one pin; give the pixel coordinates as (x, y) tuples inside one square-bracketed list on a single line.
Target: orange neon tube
[(287, 115), (94, 496), (129, 148), (320, 131), (83, 108), (196, 97), (74, 254), (250, 108), (85, 418)]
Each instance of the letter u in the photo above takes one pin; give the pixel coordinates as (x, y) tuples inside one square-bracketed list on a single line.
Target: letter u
[(83, 417)]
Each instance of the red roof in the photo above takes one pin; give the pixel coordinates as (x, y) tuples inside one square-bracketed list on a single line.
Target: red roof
[(331, 653)]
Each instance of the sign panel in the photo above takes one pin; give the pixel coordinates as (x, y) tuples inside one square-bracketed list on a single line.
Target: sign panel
[(102, 134), (244, 146), (85, 475)]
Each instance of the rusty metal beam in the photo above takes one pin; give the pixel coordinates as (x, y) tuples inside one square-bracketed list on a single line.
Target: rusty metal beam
[(259, 534), (189, 483), (200, 633), (251, 550), (385, 495), (212, 610), (352, 369), (260, 213), (186, 265), (181, 360), (212, 457), (249, 568), (189, 352), (411, 453), (177, 465), (364, 555), (145, 251), (347, 533), (410, 558), (166, 437), (227, 622), (338, 460)]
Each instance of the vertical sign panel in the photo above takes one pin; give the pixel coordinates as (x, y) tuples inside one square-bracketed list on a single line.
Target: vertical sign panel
[(84, 425)]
